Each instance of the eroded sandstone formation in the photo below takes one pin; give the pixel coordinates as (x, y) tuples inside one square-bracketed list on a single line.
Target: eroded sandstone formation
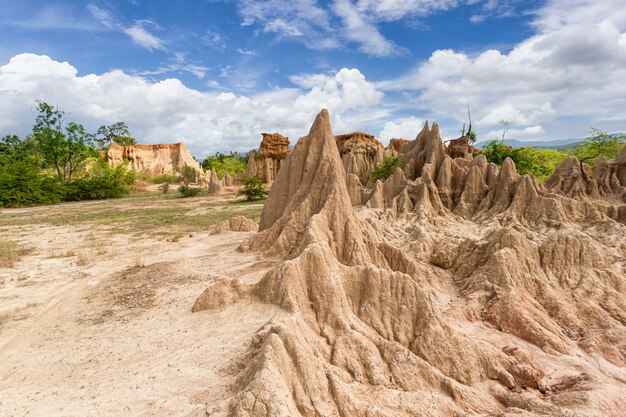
[(460, 148), (153, 159), (265, 164), (360, 152), (458, 289)]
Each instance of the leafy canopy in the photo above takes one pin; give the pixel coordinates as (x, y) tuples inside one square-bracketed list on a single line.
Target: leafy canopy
[(599, 143), (67, 151), (232, 163), (116, 133), (539, 162)]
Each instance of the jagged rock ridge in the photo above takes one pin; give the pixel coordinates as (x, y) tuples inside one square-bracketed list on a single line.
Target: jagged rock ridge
[(459, 289)]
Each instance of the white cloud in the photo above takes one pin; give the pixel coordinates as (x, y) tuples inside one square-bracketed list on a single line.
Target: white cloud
[(358, 28), (575, 70), (528, 133), (392, 10), (243, 51), (310, 23), (101, 15), (179, 62), (168, 111), (556, 14), (141, 36), (138, 31), (404, 128), (304, 21)]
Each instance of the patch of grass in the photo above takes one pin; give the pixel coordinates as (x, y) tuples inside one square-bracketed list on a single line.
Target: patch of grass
[(148, 214), (10, 253), (82, 259), (138, 261)]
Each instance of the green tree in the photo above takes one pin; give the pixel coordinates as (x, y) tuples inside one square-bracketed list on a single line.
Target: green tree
[(599, 143), (188, 174), (253, 189), (506, 124), (497, 151), (15, 148), (117, 133), (66, 153), (385, 169)]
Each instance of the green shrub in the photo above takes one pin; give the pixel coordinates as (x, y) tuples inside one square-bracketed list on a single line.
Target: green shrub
[(253, 189), (385, 169), (165, 187), (23, 183), (188, 191), (101, 181)]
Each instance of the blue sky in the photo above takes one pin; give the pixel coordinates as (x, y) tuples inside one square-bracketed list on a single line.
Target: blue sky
[(215, 74)]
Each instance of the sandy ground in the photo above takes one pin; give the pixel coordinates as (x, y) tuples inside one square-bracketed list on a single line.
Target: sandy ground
[(97, 321)]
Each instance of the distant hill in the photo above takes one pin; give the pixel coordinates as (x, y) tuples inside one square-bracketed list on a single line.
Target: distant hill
[(557, 144)]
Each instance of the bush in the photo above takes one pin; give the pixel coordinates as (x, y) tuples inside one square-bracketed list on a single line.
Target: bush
[(188, 191), (385, 169), (164, 188), (23, 183), (253, 189), (102, 181)]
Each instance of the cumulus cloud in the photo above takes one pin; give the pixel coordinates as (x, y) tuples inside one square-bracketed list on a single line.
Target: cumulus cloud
[(168, 111), (403, 128), (572, 70)]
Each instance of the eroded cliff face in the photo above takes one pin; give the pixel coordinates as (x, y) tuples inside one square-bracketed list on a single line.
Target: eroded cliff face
[(153, 159), (273, 149), (459, 289)]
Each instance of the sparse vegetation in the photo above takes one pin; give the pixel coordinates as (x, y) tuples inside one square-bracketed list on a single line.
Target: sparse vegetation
[(539, 162), (10, 253), (385, 169), (188, 191), (166, 178), (165, 187), (253, 189)]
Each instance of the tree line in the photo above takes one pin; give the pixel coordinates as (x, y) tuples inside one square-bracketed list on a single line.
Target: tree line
[(59, 161)]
